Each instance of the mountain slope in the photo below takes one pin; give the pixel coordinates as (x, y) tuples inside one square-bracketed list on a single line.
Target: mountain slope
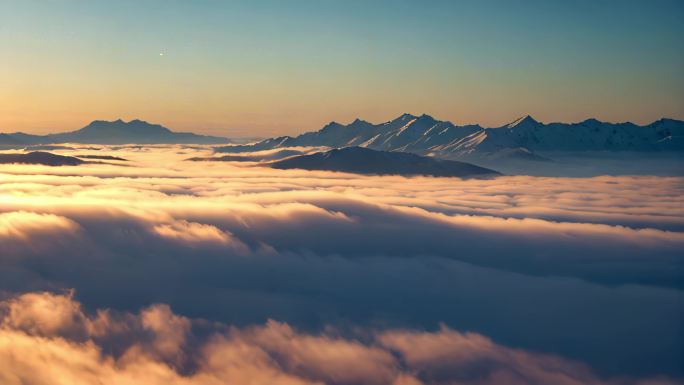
[(425, 135), (115, 132), (366, 161), (589, 135)]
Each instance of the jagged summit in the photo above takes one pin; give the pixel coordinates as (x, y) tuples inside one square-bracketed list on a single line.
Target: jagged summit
[(331, 124), (426, 135), (526, 120), (403, 117), (121, 121), (665, 121)]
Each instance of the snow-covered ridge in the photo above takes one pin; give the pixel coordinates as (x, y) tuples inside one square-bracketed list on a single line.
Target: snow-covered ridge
[(425, 135)]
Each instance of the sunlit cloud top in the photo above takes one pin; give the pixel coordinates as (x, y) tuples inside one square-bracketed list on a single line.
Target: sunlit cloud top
[(268, 67)]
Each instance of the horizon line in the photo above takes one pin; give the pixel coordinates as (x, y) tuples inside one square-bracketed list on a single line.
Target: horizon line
[(510, 123)]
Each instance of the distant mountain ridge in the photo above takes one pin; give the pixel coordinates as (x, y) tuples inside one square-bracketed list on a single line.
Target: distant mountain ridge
[(114, 132), (425, 135)]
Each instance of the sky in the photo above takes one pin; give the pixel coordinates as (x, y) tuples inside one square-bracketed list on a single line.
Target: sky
[(263, 68)]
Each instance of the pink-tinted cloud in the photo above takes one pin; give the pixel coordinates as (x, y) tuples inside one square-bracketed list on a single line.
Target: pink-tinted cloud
[(273, 353), (21, 226)]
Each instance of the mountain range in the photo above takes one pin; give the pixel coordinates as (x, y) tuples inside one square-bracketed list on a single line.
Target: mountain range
[(114, 132), (523, 138)]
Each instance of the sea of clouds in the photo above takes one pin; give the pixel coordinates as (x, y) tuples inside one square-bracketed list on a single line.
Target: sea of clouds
[(160, 269)]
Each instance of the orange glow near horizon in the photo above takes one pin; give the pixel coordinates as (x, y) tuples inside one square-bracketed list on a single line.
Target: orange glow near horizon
[(247, 70)]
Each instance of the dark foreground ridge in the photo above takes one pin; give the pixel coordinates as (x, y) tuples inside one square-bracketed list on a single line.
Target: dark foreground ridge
[(361, 160), (40, 157)]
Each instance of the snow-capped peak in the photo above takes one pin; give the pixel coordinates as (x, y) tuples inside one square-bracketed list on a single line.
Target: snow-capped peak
[(406, 116), (526, 120), (425, 135)]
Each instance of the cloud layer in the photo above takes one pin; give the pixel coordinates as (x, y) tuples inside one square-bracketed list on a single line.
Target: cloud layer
[(48, 339), (554, 265)]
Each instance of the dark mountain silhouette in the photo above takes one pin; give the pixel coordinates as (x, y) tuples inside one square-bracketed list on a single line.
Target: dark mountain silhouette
[(40, 157), (116, 132), (521, 138), (13, 139), (366, 161)]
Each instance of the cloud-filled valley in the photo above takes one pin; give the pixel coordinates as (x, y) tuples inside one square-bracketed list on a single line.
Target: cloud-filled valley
[(431, 280)]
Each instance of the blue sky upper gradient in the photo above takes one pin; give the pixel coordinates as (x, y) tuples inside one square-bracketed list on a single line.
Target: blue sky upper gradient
[(281, 67)]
